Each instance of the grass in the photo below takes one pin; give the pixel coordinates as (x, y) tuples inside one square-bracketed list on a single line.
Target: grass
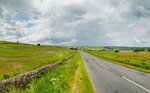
[(135, 60), (71, 77), (16, 58)]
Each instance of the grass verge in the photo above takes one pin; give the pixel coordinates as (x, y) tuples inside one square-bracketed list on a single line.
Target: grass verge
[(71, 77)]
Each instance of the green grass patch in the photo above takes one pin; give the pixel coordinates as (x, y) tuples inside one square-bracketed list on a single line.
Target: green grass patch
[(16, 58), (136, 60), (71, 77)]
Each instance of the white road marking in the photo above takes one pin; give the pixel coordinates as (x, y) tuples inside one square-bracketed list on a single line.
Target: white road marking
[(104, 66), (136, 84)]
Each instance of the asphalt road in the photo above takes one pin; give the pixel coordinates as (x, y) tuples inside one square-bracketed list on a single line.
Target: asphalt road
[(111, 78)]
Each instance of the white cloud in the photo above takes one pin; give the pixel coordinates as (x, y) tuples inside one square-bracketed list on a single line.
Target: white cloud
[(76, 22)]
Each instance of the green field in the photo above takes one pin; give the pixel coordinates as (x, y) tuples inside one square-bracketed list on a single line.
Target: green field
[(19, 58), (70, 77), (136, 60)]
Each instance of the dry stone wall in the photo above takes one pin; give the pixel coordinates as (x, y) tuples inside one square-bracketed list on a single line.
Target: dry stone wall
[(23, 80)]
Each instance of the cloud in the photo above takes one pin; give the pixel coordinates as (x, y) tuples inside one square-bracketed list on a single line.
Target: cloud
[(76, 22)]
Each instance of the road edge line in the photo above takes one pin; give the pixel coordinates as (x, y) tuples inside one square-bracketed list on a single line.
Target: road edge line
[(136, 84)]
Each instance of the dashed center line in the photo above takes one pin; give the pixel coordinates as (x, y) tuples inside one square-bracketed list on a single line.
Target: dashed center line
[(136, 84), (104, 66)]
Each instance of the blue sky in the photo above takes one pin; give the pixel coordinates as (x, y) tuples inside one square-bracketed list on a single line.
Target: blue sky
[(76, 22), (20, 17)]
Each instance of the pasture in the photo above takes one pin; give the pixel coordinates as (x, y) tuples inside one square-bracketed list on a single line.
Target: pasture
[(16, 58)]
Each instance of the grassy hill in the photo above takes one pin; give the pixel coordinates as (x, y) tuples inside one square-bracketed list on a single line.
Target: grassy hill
[(16, 58)]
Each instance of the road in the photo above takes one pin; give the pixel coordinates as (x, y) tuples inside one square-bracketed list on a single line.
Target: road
[(111, 78)]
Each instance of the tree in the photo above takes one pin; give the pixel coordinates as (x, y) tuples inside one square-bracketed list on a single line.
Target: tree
[(38, 44), (73, 48), (139, 50), (116, 51), (148, 49)]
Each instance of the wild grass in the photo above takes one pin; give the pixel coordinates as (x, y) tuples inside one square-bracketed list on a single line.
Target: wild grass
[(71, 77), (16, 58), (135, 60)]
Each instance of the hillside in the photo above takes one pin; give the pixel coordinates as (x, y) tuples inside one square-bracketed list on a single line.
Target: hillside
[(16, 58)]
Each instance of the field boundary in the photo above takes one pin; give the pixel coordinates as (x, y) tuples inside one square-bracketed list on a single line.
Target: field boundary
[(22, 80)]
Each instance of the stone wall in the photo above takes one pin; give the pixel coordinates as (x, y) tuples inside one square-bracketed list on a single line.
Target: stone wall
[(23, 80)]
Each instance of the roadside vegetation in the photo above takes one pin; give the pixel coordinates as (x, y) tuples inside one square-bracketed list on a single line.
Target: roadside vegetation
[(137, 60), (71, 77), (16, 58)]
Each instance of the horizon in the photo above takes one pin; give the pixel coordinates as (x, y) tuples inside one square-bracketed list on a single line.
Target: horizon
[(76, 46)]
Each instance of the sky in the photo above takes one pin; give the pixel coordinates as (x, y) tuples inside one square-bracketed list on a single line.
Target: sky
[(76, 22)]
